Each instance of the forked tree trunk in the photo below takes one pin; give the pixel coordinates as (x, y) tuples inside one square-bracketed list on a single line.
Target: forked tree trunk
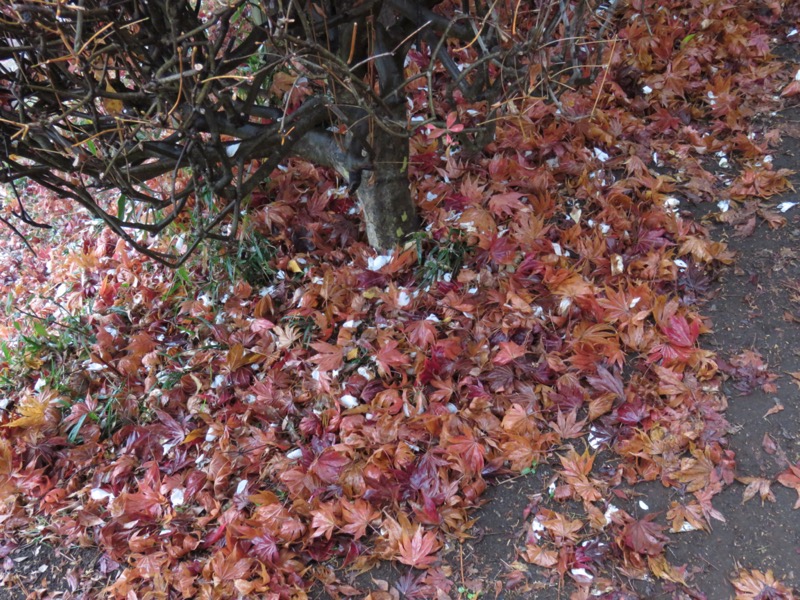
[(384, 193)]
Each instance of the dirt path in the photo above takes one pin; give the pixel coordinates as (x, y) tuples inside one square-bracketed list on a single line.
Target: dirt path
[(756, 309)]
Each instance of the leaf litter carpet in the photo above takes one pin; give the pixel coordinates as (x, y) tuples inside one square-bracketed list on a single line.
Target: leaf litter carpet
[(272, 419)]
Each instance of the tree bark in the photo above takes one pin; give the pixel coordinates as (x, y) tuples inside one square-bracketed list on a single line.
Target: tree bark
[(384, 193)]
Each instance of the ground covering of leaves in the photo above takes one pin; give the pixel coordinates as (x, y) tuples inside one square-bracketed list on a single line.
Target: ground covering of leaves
[(271, 419)]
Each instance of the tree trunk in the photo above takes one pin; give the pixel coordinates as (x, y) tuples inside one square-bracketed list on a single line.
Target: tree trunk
[(384, 193)]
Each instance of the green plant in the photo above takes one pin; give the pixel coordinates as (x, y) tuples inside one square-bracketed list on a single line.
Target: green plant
[(443, 257), (104, 413), (467, 593), (43, 347)]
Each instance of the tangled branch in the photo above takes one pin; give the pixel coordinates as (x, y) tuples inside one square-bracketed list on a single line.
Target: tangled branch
[(158, 113)]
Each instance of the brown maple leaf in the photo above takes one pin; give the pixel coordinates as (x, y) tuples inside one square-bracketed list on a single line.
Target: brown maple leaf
[(756, 485), (389, 356), (542, 557), (560, 526), (686, 517), (576, 470), (357, 516), (229, 568), (324, 520), (695, 472), (468, 451)]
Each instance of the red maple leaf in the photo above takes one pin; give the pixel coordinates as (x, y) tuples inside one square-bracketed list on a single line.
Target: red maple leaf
[(469, 452), (328, 465), (791, 479), (644, 536)]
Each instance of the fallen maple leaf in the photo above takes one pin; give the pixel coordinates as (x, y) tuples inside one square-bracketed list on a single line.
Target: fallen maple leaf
[(418, 549), (229, 568), (769, 445), (238, 358), (469, 452), (324, 520), (389, 356), (576, 470), (560, 526), (756, 485), (793, 89), (357, 516), (663, 570), (33, 410), (791, 479), (329, 358), (509, 351), (568, 426), (541, 557), (644, 536), (695, 472), (755, 585), (328, 465), (775, 409)]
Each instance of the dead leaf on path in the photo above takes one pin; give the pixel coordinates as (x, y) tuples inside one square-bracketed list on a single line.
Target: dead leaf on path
[(790, 128), (790, 318), (746, 228), (539, 556), (756, 485), (769, 444), (663, 570), (795, 377), (775, 409), (418, 550), (753, 585), (791, 479), (644, 536)]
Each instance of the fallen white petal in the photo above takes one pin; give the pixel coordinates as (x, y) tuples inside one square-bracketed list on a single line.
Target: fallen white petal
[(231, 150), (176, 497), (600, 155), (348, 401), (99, 495)]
